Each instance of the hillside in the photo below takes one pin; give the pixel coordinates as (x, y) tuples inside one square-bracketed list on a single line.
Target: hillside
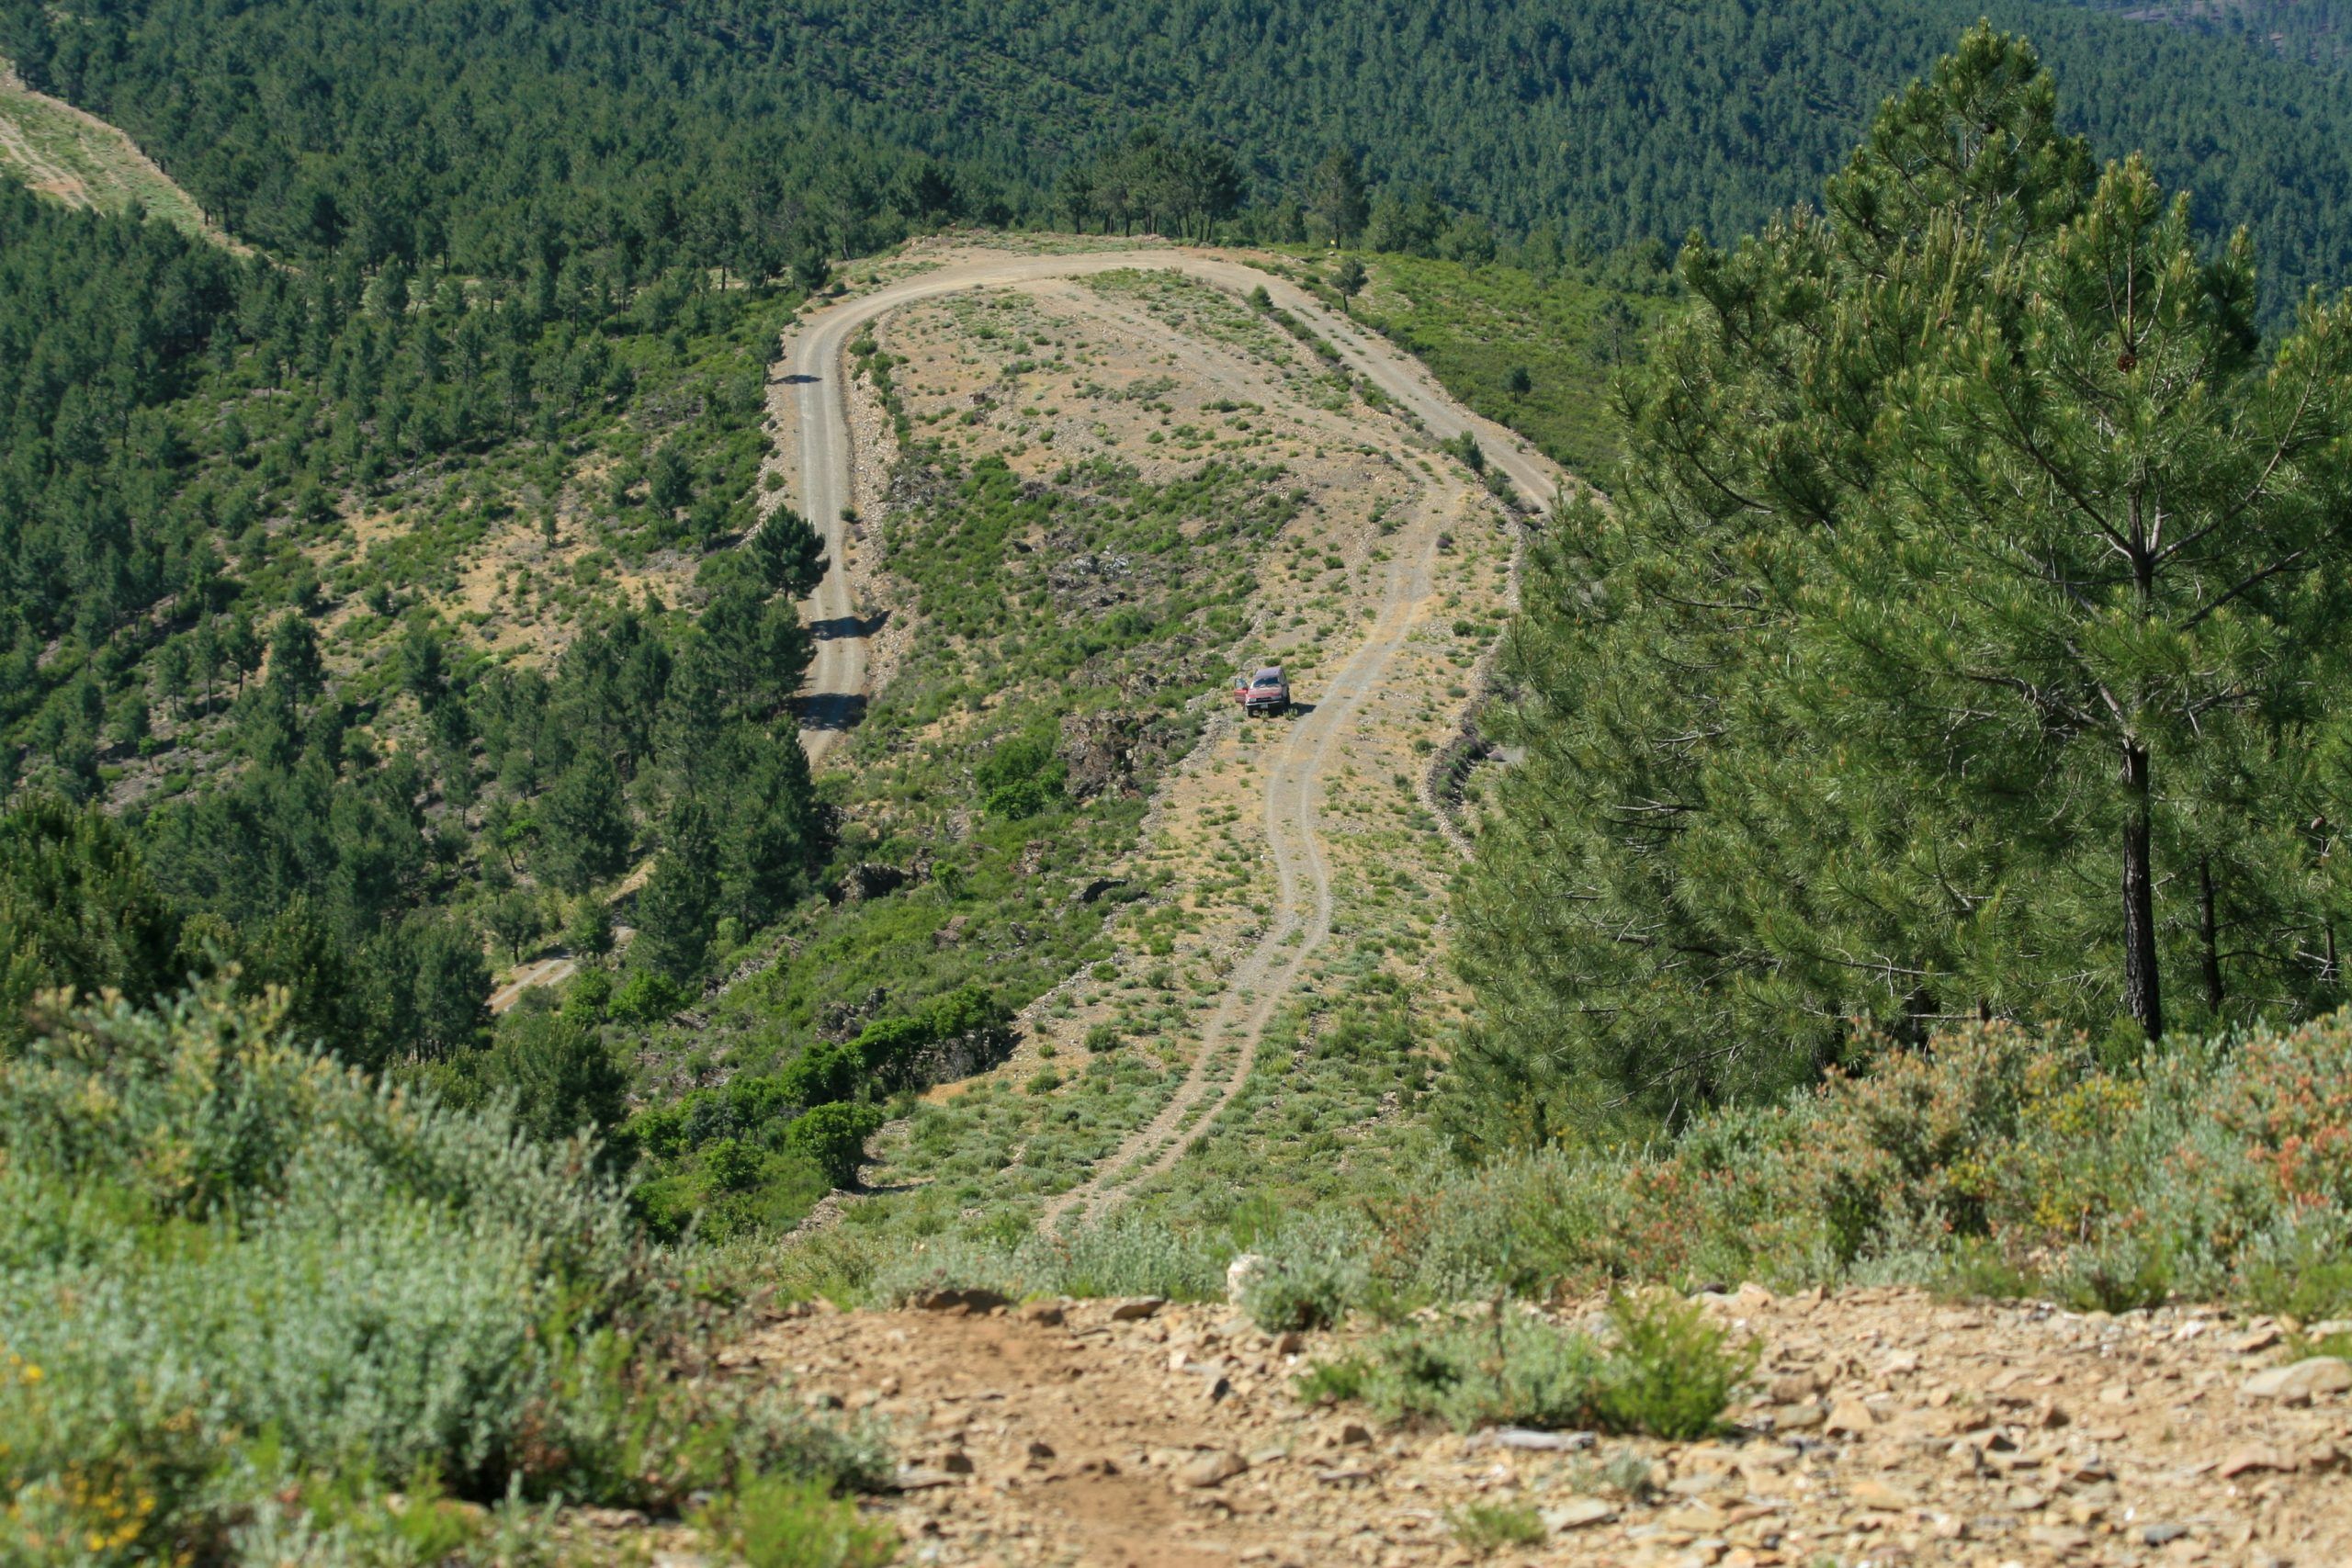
[(639, 922), (1619, 123), (62, 152)]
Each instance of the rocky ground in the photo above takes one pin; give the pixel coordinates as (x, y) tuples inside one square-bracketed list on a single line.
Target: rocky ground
[(1884, 1427)]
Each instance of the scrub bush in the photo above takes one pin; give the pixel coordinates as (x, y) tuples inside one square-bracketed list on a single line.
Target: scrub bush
[(238, 1271)]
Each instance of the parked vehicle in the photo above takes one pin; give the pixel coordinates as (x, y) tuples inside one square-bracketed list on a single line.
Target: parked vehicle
[(1266, 691)]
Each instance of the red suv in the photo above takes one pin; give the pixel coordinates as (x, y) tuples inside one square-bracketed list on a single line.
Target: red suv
[(1266, 691)]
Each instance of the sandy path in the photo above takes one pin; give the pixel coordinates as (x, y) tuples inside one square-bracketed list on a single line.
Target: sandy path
[(1296, 784)]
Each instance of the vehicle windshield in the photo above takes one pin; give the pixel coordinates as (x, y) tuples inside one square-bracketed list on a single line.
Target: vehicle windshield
[(1270, 680)]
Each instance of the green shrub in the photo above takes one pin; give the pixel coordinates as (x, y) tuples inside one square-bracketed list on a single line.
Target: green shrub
[(1019, 778), (647, 995), (774, 1523), (1341, 1381), (1670, 1372), (1307, 1277), (557, 1074), (1485, 1528), (1511, 1370), (216, 1235), (832, 1138)]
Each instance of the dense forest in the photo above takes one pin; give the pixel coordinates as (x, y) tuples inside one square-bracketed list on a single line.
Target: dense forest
[(1960, 646), (327, 782), (742, 135)]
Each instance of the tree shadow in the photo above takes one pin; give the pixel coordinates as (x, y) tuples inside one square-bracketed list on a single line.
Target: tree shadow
[(838, 627), (833, 710)]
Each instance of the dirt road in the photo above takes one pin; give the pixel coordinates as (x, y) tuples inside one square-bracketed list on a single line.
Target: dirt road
[(1883, 1425), (1301, 912)]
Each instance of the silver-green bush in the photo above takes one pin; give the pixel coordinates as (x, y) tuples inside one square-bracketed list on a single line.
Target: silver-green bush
[(237, 1267)]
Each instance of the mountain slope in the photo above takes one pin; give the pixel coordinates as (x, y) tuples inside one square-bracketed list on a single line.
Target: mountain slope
[(59, 152), (1624, 121)]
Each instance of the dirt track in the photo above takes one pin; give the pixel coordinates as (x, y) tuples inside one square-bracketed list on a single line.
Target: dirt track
[(1883, 1426), (1296, 782)]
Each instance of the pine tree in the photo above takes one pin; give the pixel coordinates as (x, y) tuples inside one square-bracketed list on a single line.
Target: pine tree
[(1959, 625), (678, 908), (1336, 194), (584, 825)]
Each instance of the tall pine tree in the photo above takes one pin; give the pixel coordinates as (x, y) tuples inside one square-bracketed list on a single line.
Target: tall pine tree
[(1954, 651)]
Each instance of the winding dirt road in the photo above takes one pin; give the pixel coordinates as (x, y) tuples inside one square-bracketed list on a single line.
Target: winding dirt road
[(1302, 913)]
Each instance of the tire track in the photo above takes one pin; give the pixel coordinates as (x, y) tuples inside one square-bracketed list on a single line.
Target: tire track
[(836, 691)]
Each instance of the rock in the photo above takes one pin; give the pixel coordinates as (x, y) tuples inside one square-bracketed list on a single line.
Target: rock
[(1135, 1309), (1794, 1388), (2157, 1535), (867, 880), (2296, 1383), (1354, 1434), (1214, 1468), (1040, 1453), (1290, 1342), (1576, 1514), (956, 1463), (1240, 1274), (2253, 1456), (917, 1479), (1853, 1417), (1796, 1418), (1878, 1495), (1533, 1441), (2255, 1339), (2058, 1538), (611, 1519), (1093, 892), (1699, 1519), (1045, 1314), (972, 1303)]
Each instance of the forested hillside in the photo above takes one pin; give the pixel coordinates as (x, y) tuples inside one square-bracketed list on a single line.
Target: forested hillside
[(1961, 645), (744, 134), (2317, 31)]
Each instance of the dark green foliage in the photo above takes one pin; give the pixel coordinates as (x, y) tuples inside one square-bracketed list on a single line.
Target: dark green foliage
[(763, 1138), (832, 1138), (1020, 778), (1951, 651), (78, 910), (789, 553), (583, 825), (645, 996), (559, 1073), (679, 904), (762, 144)]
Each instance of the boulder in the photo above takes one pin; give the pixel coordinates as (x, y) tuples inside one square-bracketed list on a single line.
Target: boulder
[(2300, 1382), (1213, 1468)]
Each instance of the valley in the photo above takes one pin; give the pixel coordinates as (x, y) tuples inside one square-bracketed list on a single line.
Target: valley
[(1374, 596), (644, 918)]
